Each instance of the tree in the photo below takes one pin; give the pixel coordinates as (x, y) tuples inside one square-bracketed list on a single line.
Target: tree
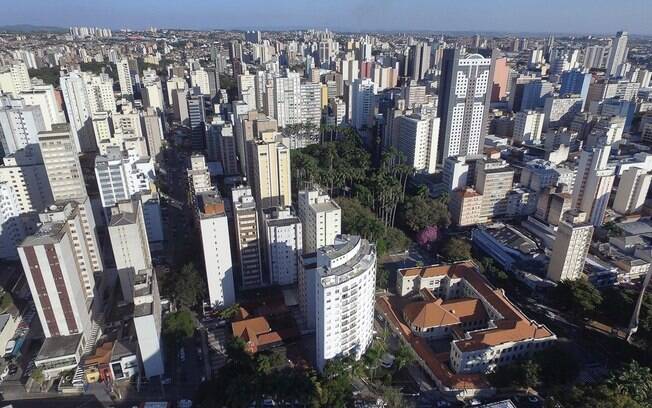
[(557, 365), (179, 325), (578, 296), (37, 375), (337, 390), (628, 387), (49, 75), (393, 398), (6, 301), (188, 287), (382, 278), (522, 374), (455, 249), (634, 381), (229, 313), (420, 212), (359, 220), (427, 236), (247, 379), (404, 357)]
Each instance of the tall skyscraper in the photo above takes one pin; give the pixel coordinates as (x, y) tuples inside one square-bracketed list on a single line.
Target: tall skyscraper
[(287, 99), (271, 176), (199, 179), (216, 245), (121, 174), (464, 96), (62, 164), (571, 247), (247, 234), (67, 182), (129, 241), (53, 274), (593, 183), (419, 61), (197, 119), (363, 92), (500, 79), (14, 78), (124, 78), (247, 89), (74, 215), (321, 217), (284, 245), (86, 95), (528, 126), (418, 140), (618, 53), (336, 292), (19, 124), (12, 230), (632, 190)]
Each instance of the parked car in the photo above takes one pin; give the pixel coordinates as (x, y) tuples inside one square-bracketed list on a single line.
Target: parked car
[(9, 348)]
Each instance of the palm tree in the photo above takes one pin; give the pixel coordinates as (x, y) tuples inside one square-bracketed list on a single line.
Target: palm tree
[(404, 357)]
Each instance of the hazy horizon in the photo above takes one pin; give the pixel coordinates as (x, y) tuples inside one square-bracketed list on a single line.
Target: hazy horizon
[(500, 16)]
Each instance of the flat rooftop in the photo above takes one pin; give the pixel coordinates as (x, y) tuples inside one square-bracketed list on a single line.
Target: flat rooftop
[(59, 346)]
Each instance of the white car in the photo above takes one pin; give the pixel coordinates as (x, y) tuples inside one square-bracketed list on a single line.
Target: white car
[(9, 348)]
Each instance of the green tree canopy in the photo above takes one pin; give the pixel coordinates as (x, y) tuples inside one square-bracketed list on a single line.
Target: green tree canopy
[(419, 212), (187, 287), (179, 325), (455, 249), (578, 296)]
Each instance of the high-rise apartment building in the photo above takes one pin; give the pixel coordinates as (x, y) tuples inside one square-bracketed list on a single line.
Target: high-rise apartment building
[(418, 140), (560, 111), (336, 292), (19, 124), (67, 182), (199, 79), (152, 125), (121, 174), (152, 91), (53, 274), (494, 180), (216, 245), (363, 94), (62, 163), (284, 245), (25, 173), (197, 121), (124, 78), (632, 190), (271, 175), (419, 62), (45, 97), (593, 183), (464, 96), (618, 53), (287, 99), (129, 242), (528, 126), (571, 247), (247, 89), (247, 235), (12, 230), (321, 217), (14, 78), (199, 179)]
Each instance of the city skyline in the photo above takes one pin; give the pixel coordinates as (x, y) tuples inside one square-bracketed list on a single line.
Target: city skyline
[(579, 17)]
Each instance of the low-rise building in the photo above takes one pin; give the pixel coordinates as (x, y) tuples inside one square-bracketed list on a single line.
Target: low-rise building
[(485, 328)]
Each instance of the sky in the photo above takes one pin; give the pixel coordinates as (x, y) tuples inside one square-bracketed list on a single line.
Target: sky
[(535, 16)]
